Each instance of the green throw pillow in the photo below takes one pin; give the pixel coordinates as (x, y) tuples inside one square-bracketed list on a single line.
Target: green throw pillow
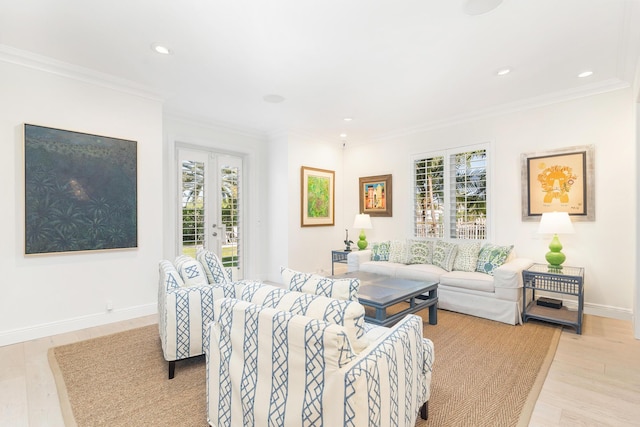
[(398, 251), (444, 254), (492, 257), (380, 251), (420, 252), (467, 257)]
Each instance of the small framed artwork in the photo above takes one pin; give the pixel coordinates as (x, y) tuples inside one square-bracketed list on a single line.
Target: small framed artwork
[(317, 197), (559, 181), (80, 191), (375, 195)]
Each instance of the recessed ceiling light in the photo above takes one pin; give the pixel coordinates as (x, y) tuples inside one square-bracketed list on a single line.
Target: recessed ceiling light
[(478, 7), (348, 119), (161, 49), (273, 98), (585, 73), (503, 71), (343, 135)]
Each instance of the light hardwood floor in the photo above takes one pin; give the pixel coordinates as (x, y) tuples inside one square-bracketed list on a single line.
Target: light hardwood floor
[(594, 379)]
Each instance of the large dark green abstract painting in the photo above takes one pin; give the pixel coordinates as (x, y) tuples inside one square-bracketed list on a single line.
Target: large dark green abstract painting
[(80, 191)]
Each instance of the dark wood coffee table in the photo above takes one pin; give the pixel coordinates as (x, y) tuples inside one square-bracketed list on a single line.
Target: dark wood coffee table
[(381, 292)]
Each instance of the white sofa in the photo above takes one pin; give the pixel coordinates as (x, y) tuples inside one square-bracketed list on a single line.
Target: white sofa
[(286, 358), (496, 297)]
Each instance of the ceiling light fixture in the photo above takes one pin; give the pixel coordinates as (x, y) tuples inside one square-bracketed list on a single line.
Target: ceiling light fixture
[(585, 73), (348, 119), (479, 7), (503, 71), (273, 98), (158, 48), (343, 135)]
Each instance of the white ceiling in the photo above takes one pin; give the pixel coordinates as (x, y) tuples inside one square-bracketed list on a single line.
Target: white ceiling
[(394, 66)]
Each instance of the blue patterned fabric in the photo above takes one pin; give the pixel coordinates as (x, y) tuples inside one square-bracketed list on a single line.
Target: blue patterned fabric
[(185, 312), (345, 289), (349, 314), (215, 271), (268, 367)]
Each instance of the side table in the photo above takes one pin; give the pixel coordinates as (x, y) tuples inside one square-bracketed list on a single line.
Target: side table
[(562, 281), (339, 256)]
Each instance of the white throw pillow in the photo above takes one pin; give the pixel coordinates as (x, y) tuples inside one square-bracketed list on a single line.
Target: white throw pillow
[(191, 271), (399, 252), (216, 272)]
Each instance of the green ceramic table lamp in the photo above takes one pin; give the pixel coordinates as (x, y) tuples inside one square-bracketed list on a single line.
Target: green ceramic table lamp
[(555, 223), (363, 222)]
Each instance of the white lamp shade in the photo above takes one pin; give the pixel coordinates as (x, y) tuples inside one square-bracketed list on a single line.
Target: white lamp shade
[(555, 223), (362, 222)]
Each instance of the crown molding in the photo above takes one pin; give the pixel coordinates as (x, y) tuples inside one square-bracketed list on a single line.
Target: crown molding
[(508, 108), (86, 75), (209, 123)]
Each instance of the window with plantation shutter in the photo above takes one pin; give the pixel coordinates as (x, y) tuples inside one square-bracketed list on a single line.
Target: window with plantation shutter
[(450, 194)]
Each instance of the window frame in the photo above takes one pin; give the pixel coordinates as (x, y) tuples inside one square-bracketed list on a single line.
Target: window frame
[(449, 190)]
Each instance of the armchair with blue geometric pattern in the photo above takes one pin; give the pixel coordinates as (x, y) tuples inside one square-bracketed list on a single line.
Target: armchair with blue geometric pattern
[(185, 303), (267, 366)]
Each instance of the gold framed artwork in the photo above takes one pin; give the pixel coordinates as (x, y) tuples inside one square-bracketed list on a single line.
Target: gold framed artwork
[(376, 195), (317, 197), (559, 181)]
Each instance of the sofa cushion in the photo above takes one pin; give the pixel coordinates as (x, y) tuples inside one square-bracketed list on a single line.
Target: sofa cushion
[(422, 272), (191, 271), (492, 257), (344, 289), (468, 280), (420, 252), (212, 266), (381, 267), (444, 254), (398, 251), (349, 314), (380, 251), (467, 257)]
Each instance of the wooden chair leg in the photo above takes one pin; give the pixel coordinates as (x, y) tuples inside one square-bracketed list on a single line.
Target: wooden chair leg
[(424, 410), (172, 369)]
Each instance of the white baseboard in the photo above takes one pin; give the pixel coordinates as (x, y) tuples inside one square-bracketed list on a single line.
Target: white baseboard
[(601, 310), (75, 324)]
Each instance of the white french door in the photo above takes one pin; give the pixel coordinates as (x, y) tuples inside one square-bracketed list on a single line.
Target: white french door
[(210, 200)]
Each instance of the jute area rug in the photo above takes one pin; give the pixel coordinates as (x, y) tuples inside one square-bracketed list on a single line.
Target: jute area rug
[(485, 374)]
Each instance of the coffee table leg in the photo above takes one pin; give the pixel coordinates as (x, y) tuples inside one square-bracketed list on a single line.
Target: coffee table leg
[(433, 315)]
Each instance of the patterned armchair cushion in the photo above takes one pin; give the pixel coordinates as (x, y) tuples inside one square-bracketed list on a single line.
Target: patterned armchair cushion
[(216, 273), (191, 271), (269, 367), (349, 314), (344, 289), (169, 276)]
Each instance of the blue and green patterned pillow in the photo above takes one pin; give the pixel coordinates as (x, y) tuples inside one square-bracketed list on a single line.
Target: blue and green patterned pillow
[(380, 251), (420, 252), (492, 257), (444, 254), (467, 257)]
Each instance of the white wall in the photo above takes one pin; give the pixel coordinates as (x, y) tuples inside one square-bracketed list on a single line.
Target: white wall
[(310, 247), (252, 147), (606, 247), (48, 294)]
